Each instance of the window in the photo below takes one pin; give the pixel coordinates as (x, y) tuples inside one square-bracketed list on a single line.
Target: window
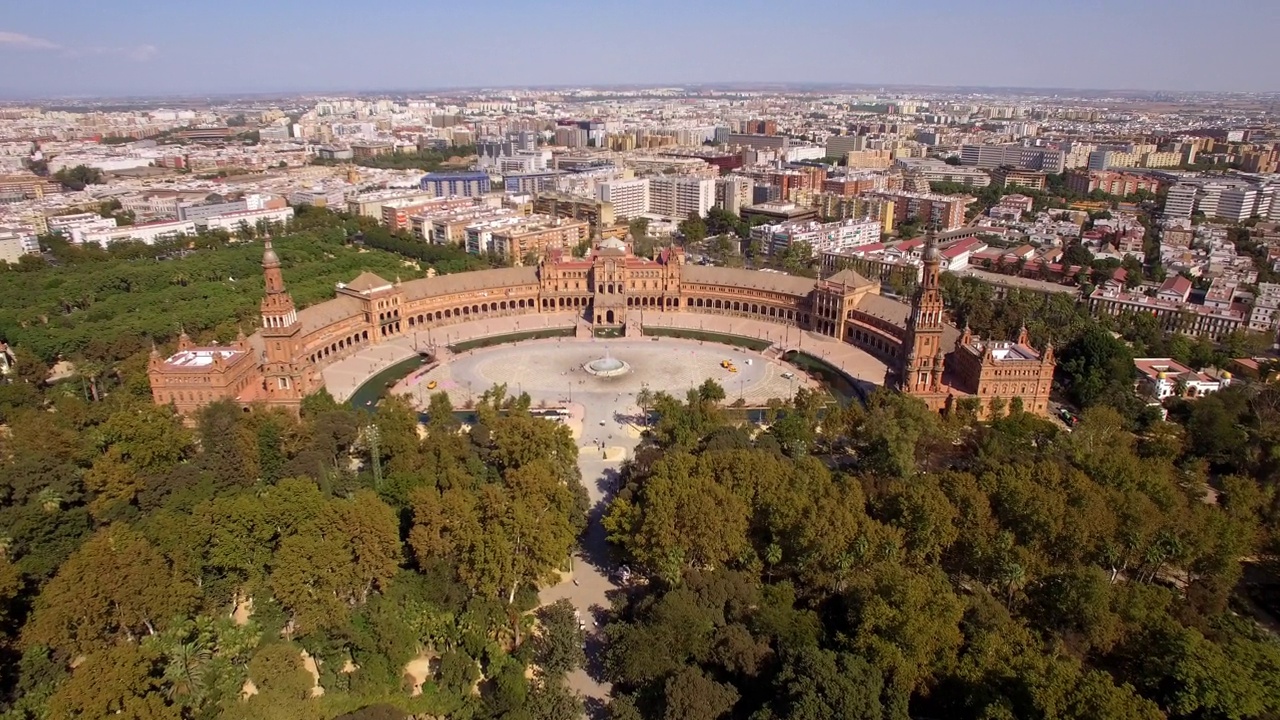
[(284, 383)]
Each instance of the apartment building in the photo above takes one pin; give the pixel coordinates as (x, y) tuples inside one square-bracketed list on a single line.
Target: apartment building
[(398, 214), (734, 193), (1019, 156), (148, 233), (1005, 175), (236, 221), (598, 213), (851, 185), (535, 236), (681, 196), (1264, 316), (1084, 182), (940, 212), (464, 184), (16, 242), (448, 227), (1180, 202), (834, 237), (370, 204), (630, 198), (1172, 314)]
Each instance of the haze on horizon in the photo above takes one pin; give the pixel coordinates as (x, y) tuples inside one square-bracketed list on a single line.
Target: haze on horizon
[(143, 47)]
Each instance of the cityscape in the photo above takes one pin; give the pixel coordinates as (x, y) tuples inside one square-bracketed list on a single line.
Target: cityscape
[(754, 399)]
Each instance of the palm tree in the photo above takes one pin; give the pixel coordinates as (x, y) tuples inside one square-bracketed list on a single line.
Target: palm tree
[(50, 500), (184, 672)]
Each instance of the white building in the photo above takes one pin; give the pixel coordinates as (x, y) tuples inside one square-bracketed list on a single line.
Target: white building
[(233, 222), (16, 242), (836, 237), (1181, 201), (1163, 378), (148, 233), (679, 196), (630, 198), (734, 193)]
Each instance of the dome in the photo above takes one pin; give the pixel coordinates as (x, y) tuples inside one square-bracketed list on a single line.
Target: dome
[(269, 256), (612, 244)]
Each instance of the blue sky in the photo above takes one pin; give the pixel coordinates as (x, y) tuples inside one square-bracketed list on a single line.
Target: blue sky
[(92, 47)]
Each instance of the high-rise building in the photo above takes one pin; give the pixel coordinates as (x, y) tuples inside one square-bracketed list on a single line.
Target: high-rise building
[(1237, 204), (1180, 202), (630, 198), (1019, 156), (939, 212), (733, 193), (681, 196)]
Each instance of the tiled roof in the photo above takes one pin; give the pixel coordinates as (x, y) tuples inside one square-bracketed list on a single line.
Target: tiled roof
[(466, 281), (754, 279)]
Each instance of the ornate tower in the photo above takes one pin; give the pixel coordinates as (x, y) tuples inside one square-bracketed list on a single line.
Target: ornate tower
[(286, 378), (920, 370)]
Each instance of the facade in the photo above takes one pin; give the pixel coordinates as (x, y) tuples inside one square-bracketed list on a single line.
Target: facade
[(281, 362), (630, 198), (834, 237), (148, 233), (942, 212), (733, 193), (1018, 156), (681, 196), (598, 213), (1005, 175), (1084, 182), (983, 374), (465, 184)]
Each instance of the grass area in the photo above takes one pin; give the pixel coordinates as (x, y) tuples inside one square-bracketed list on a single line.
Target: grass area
[(120, 305), (466, 345), (736, 340), (609, 333)]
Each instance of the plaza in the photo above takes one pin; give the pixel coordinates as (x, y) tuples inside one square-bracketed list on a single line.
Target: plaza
[(551, 371)]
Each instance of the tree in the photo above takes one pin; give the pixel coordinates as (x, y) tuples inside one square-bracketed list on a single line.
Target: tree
[(116, 682), (115, 587), (693, 229), (1096, 368), (710, 391), (691, 695), (558, 649), (815, 684)]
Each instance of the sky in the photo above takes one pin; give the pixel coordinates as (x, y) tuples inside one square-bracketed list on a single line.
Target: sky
[(51, 48)]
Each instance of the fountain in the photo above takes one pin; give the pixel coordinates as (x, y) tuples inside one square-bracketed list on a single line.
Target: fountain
[(607, 366)]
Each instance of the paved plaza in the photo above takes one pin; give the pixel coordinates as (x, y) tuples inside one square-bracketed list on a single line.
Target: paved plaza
[(550, 371)]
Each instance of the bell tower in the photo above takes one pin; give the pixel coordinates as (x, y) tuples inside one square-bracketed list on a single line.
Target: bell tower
[(920, 370), (286, 379)]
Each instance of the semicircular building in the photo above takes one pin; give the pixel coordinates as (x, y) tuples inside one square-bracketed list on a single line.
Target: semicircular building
[(927, 357)]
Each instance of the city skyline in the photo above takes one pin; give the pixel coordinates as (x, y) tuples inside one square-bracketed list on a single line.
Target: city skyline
[(136, 47)]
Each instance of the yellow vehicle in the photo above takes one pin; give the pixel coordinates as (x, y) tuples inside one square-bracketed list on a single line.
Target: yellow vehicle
[(725, 364), (431, 385), (733, 369)]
